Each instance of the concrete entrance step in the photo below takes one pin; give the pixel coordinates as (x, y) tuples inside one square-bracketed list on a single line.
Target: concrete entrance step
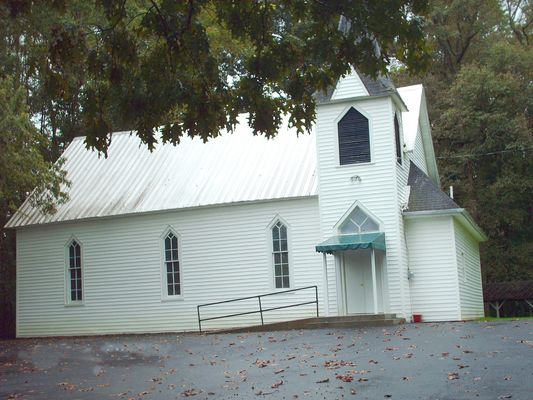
[(350, 321), (357, 317)]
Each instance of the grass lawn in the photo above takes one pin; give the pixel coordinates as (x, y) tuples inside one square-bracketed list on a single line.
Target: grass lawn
[(485, 319)]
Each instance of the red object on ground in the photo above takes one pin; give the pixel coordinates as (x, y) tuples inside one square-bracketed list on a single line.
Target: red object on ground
[(417, 317)]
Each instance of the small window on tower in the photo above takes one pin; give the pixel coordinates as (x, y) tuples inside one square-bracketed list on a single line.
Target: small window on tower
[(397, 139)]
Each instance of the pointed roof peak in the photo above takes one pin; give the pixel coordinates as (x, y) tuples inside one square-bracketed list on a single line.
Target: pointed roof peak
[(424, 194)]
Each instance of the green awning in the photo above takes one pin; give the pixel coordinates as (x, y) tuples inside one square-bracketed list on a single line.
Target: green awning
[(352, 242)]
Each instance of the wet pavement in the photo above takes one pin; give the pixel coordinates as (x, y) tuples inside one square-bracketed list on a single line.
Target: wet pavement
[(474, 360)]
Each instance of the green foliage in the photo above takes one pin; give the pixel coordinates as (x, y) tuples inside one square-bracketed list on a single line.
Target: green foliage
[(90, 68), (23, 168), (458, 28), (192, 66), (486, 137), (519, 15), (480, 100)]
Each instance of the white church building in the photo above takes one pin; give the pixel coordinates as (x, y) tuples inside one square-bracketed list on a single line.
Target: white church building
[(353, 208)]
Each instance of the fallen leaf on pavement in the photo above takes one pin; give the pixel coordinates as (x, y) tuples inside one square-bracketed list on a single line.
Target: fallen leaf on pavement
[(190, 392), (345, 377), (262, 363), (337, 364), (453, 375)]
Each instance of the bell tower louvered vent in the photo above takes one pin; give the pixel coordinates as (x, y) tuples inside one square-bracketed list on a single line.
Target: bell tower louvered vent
[(354, 140)]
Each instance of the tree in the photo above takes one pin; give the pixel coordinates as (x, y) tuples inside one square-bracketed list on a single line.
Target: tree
[(457, 31), (519, 15), (89, 68), (486, 132), (479, 99), (143, 64), (22, 169)]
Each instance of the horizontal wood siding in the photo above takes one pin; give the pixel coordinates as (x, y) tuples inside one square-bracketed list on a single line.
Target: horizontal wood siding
[(419, 156), (402, 175), (376, 188), (469, 273), (349, 86), (225, 253), (434, 290)]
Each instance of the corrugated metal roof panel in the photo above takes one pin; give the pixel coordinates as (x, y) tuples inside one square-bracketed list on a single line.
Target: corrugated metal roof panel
[(231, 168)]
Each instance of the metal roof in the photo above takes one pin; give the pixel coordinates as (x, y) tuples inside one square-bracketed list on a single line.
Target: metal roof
[(238, 167), (231, 168)]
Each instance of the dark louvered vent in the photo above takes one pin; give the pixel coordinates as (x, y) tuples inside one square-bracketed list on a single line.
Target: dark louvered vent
[(397, 138), (354, 141)]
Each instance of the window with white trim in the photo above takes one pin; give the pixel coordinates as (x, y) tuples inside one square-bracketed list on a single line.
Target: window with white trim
[(74, 275), (397, 140), (358, 222), (172, 265), (280, 255)]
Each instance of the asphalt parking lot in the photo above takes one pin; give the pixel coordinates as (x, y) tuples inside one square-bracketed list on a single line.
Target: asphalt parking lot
[(473, 360)]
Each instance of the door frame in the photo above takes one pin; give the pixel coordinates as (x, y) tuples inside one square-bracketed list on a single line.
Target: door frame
[(340, 269)]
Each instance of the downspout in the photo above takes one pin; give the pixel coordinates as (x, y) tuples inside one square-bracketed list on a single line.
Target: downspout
[(409, 275)]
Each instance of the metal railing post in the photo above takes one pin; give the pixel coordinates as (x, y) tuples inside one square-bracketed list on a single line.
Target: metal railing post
[(199, 320), (316, 299), (260, 310)]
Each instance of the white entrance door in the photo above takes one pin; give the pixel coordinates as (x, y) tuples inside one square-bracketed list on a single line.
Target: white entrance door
[(358, 282)]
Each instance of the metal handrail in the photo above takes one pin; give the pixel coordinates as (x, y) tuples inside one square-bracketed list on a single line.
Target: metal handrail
[(261, 309)]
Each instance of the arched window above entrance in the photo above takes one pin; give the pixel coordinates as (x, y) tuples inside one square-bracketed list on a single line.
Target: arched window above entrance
[(358, 221)]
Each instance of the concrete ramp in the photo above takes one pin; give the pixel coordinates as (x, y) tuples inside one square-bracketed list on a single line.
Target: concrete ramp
[(351, 321)]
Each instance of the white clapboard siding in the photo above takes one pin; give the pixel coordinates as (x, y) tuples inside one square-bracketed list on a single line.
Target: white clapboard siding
[(434, 287), (469, 271), (225, 253), (402, 175), (376, 190), (419, 155), (349, 86)]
